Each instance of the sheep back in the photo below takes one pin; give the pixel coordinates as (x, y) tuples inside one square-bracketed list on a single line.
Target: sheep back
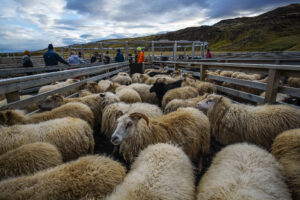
[(179, 93)]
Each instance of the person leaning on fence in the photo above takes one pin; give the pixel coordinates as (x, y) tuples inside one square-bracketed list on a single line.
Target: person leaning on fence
[(106, 58), (119, 56), (26, 61), (74, 59), (208, 54), (52, 58)]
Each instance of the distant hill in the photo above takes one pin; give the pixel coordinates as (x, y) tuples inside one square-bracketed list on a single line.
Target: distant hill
[(277, 30)]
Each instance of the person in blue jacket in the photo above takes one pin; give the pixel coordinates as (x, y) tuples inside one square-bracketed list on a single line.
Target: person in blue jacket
[(119, 57), (52, 58)]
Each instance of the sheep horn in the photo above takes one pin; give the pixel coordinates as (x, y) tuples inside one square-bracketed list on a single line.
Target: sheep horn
[(137, 116)]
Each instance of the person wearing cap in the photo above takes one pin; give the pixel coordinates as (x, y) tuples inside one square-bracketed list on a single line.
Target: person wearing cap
[(74, 59), (52, 58), (119, 56), (140, 58), (26, 59)]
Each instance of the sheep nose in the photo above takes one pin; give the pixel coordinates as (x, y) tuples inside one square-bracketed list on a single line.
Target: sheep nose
[(115, 140)]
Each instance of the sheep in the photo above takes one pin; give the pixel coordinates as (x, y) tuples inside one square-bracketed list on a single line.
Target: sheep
[(245, 76), (201, 86), (182, 103), (151, 80), (144, 92), (128, 95), (28, 159), (286, 148), (108, 86), (187, 127), (235, 74), (136, 78), (75, 109), (161, 171), (72, 136), (122, 79), (89, 176), (112, 112), (294, 82), (28, 109), (47, 88), (226, 73), (83, 93), (94, 88), (260, 125), (160, 87), (179, 93), (243, 171), (280, 96), (96, 102), (2, 96)]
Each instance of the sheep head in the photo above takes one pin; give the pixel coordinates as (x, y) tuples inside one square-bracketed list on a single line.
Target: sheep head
[(11, 117), (51, 102), (108, 98), (159, 85), (92, 87), (126, 125), (209, 102)]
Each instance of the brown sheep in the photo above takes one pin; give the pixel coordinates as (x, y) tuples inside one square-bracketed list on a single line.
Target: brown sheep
[(128, 95), (226, 73), (77, 110), (72, 136), (179, 93), (90, 176), (232, 123), (245, 76), (47, 88), (286, 148), (201, 86), (161, 171), (187, 127), (96, 102), (28, 159), (182, 103), (294, 82)]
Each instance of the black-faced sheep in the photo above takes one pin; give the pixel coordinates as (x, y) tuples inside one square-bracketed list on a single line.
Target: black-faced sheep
[(161, 87), (179, 93), (29, 159), (72, 136), (122, 78), (128, 95), (286, 148), (112, 112), (161, 171), (243, 171), (90, 176), (76, 110), (182, 103), (260, 125), (96, 102), (187, 127)]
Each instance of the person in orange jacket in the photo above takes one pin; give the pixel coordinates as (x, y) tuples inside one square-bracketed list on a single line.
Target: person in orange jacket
[(140, 58)]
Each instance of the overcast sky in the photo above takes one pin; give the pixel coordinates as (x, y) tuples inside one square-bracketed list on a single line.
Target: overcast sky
[(33, 24)]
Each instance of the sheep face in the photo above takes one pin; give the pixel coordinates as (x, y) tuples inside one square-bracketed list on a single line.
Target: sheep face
[(92, 87), (127, 125), (11, 117), (51, 102), (209, 103), (159, 85)]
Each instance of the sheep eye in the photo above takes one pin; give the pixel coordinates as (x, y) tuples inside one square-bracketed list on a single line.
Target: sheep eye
[(209, 101), (129, 124)]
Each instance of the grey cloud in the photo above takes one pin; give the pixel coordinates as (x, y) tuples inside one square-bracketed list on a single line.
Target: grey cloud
[(85, 36)]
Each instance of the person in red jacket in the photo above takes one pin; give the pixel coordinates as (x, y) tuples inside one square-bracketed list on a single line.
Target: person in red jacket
[(140, 58), (208, 54)]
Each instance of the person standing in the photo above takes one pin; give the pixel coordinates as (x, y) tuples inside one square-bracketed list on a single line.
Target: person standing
[(119, 56), (52, 58), (140, 58), (106, 58), (94, 57), (208, 54), (26, 59), (74, 59)]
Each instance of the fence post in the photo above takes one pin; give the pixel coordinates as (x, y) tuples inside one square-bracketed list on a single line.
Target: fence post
[(272, 86), (175, 51), (62, 53), (152, 50), (69, 50), (101, 50), (193, 50), (184, 53), (12, 96), (82, 51), (126, 50), (202, 73)]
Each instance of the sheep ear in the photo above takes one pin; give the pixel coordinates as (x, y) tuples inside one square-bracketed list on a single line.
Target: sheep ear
[(119, 114), (164, 80), (137, 116), (219, 99)]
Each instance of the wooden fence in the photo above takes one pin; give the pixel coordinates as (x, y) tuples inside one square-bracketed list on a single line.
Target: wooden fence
[(11, 87), (274, 72)]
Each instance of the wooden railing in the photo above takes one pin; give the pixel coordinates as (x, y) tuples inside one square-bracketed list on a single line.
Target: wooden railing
[(11, 87), (274, 71)]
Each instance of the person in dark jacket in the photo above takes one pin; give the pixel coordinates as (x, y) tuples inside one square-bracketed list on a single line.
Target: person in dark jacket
[(26, 61), (52, 58), (106, 58), (94, 57), (119, 56)]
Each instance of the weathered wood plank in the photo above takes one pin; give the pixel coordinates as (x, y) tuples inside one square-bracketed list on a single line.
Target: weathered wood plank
[(272, 86), (295, 92), (12, 96)]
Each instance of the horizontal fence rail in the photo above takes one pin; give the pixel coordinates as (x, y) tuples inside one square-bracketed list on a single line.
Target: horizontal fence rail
[(274, 71)]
